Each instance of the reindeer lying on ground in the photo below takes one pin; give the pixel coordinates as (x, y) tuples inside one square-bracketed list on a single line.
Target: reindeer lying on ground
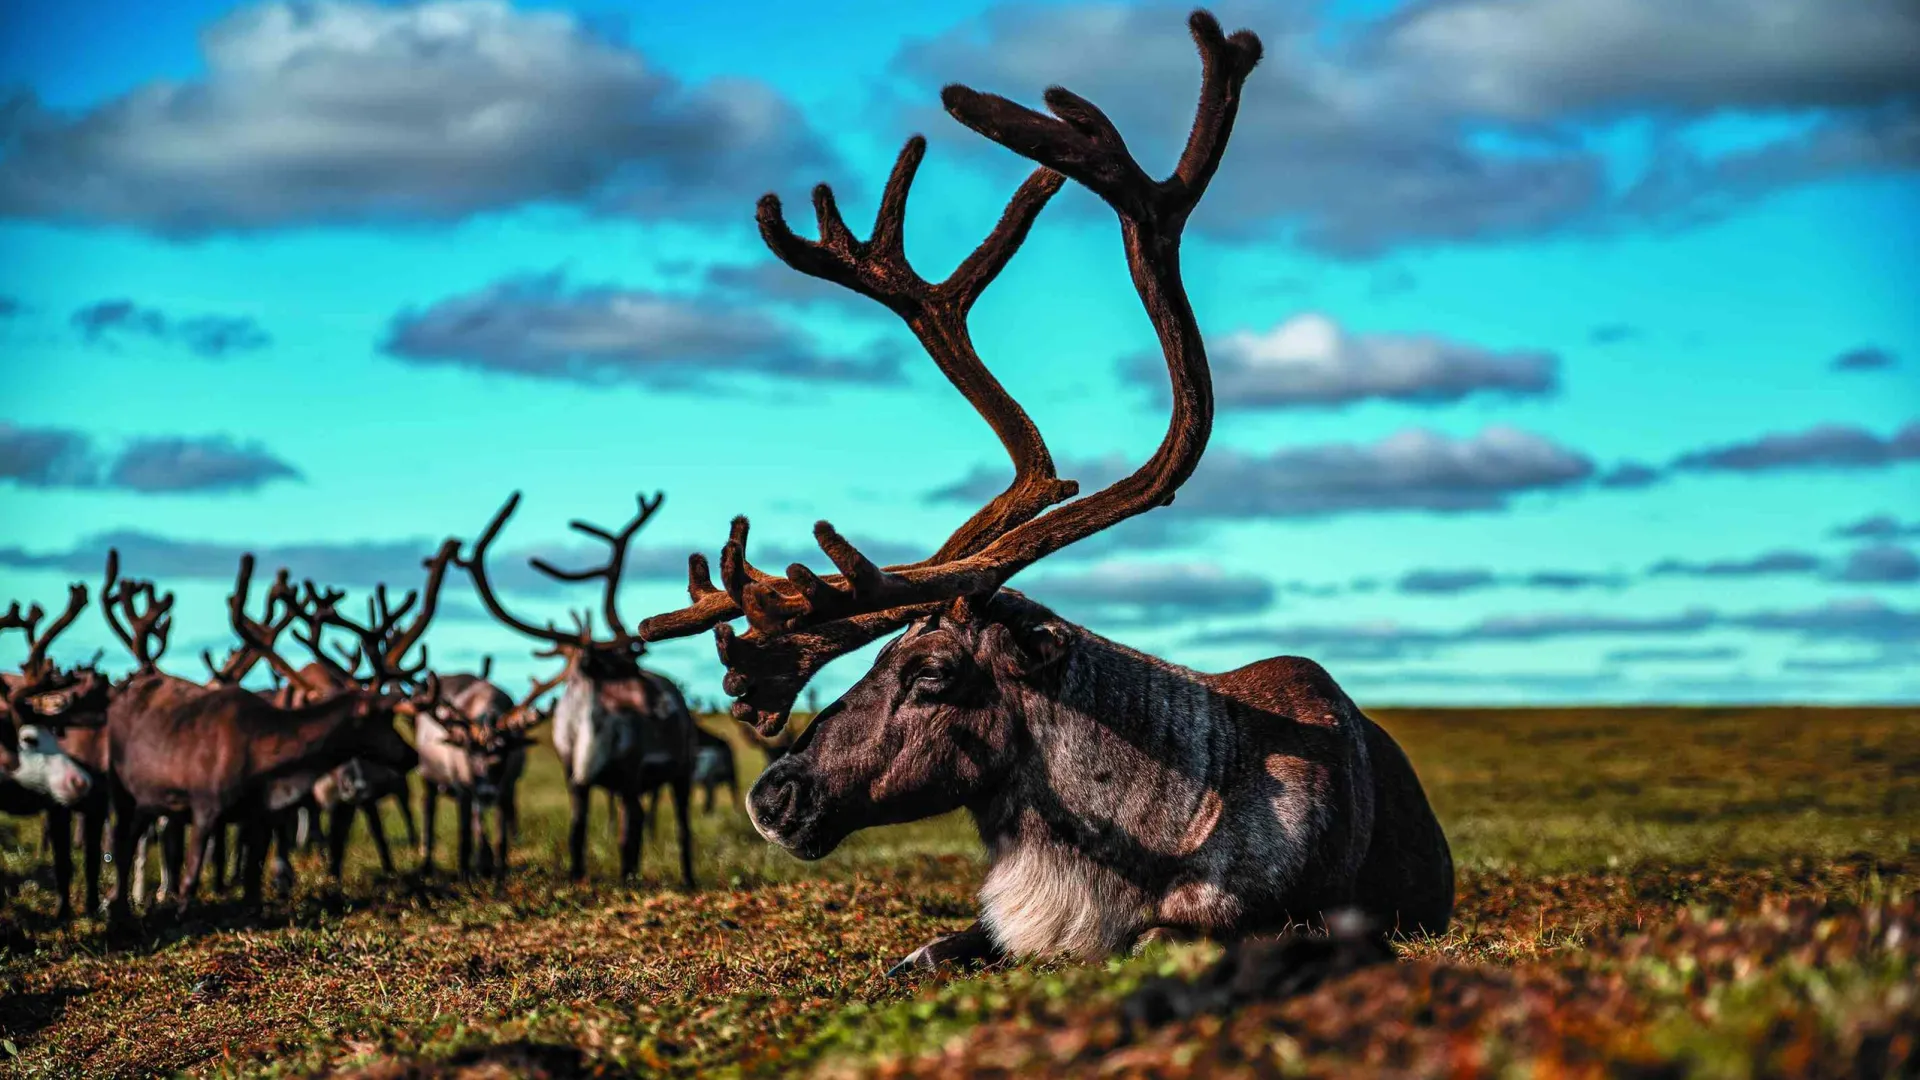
[(617, 726), (56, 756), (1118, 795), (473, 747), (213, 755)]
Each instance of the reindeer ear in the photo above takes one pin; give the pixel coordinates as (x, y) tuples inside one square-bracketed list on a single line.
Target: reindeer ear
[(1043, 639), (966, 609)]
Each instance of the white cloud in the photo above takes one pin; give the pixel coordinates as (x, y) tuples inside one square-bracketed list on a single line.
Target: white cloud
[(1310, 360), (348, 111)]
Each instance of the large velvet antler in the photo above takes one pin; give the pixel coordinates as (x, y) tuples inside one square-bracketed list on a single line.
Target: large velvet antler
[(799, 621)]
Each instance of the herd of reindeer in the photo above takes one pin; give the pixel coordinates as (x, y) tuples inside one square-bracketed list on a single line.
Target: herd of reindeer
[(1117, 795), (185, 763)]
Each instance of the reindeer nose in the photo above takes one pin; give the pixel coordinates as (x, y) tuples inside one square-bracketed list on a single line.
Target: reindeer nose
[(780, 800), (74, 787)]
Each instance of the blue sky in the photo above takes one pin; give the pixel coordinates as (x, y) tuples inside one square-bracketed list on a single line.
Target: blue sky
[(1565, 351)]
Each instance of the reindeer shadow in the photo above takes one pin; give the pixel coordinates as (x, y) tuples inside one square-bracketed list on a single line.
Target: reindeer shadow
[(23, 1015)]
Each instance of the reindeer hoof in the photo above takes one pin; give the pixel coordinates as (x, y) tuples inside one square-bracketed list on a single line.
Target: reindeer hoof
[(917, 962)]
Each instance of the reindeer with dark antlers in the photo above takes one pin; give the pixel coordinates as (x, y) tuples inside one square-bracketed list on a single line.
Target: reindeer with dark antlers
[(1118, 795), (473, 748), (214, 755), (617, 726), (384, 643), (52, 751)]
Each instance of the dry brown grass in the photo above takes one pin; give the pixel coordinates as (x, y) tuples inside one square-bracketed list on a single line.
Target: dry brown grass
[(1654, 892)]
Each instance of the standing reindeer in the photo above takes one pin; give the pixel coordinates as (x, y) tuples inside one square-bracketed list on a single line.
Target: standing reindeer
[(384, 643), (213, 755), (617, 726), (55, 749), (473, 747), (1118, 795)]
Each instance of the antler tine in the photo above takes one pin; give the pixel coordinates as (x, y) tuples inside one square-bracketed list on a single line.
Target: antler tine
[(937, 314), (1080, 142), (799, 622), (429, 594), (766, 672), (110, 594), (154, 624), (281, 609), (146, 613), (319, 609), (523, 715), (255, 636), (476, 567), (13, 620), (37, 644), (610, 571)]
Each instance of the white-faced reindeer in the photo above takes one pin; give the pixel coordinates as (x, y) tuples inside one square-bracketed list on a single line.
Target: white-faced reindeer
[(48, 733), (617, 726), (1117, 794), (51, 747), (473, 747)]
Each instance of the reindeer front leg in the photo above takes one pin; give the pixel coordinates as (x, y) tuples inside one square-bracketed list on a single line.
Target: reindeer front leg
[(970, 946), (463, 814), (577, 832), (58, 832), (378, 831), (126, 829), (93, 826)]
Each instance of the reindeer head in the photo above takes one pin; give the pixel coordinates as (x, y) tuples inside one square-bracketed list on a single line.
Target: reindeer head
[(492, 744), (44, 767), (935, 725), (45, 695), (930, 726)]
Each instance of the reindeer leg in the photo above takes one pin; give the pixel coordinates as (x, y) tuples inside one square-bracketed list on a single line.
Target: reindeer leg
[(429, 795), (633, 825), (140, 863), (463, 815), (219, 857), (126, 823), (93, 826), (379, 831), (404, 800), (339, 828), (173, 833), (503, 824), (197, 828), (972, 945), (58, 831), (483, 847), (577, 833), (255, 832), (682, 804), (283, 830)]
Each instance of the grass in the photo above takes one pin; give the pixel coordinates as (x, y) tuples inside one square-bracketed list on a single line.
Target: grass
[(1649, 892)]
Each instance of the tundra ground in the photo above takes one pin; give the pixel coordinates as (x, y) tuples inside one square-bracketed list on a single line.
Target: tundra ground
[(1643, 892)]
